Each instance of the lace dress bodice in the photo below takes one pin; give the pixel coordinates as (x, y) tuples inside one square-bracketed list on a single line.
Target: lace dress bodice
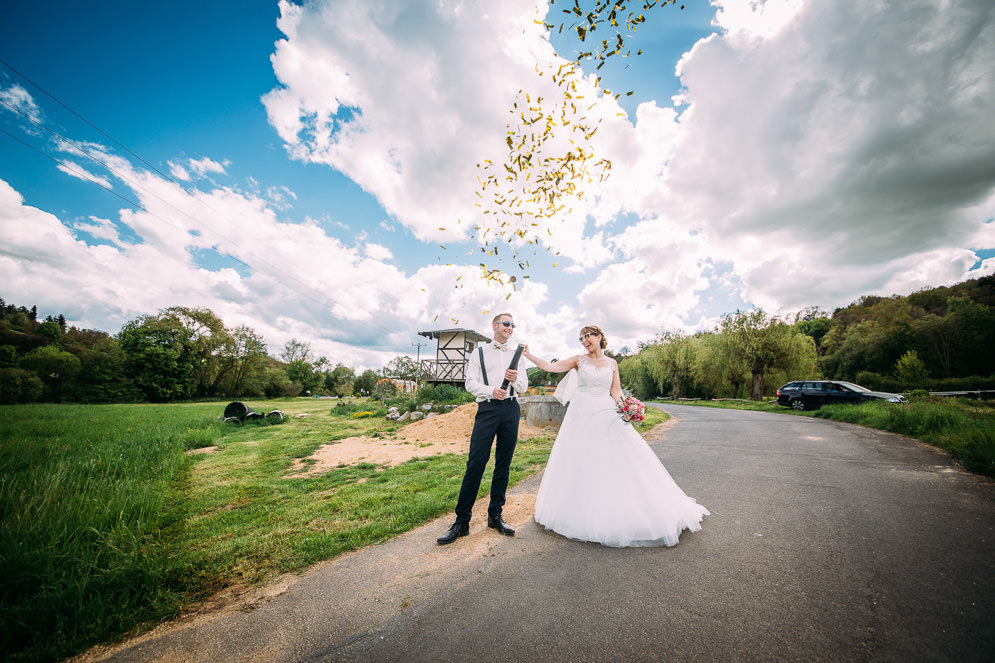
[(594, 379)]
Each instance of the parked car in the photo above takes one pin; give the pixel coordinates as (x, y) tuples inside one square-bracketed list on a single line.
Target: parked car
[(813, 394)]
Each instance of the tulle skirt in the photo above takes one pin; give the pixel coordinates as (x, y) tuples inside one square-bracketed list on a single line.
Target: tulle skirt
[(603, 483)]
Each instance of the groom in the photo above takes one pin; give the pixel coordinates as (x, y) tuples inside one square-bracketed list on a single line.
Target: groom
[(498, 414)]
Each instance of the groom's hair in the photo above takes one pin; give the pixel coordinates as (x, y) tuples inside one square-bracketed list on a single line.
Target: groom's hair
[(499, 316)]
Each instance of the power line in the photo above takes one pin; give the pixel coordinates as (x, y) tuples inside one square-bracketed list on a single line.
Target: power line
[(319, 299), (66, 106)]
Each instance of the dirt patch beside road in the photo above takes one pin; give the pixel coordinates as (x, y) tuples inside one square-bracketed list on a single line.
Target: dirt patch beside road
[(445, 433)]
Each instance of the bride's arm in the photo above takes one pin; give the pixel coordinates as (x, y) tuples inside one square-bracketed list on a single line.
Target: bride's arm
[(616, 388), (561, 366)]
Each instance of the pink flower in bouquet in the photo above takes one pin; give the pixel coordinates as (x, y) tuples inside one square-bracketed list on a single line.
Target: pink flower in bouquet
[(631, 410)]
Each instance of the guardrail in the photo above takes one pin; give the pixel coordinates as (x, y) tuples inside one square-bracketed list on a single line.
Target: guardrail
[(980, 394)]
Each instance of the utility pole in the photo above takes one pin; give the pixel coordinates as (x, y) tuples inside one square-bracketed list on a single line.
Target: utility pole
[(418, 364)]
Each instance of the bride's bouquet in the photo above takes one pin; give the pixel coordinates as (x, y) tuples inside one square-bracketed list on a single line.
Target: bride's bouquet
[(631, 410)]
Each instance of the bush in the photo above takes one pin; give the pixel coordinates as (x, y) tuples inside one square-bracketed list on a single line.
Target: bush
[(450, 393), (969, 383), (443, 393), (878, 382), (352, 410), (19, 386), (428, 393), (384, 390)]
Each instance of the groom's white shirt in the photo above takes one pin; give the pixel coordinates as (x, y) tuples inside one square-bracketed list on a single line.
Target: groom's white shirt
[(496, 362)]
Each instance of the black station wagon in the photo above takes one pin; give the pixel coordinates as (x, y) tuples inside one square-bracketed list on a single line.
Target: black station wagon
[(813, 394)]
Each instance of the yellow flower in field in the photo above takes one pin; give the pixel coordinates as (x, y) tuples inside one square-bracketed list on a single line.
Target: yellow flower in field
[(361, 415)]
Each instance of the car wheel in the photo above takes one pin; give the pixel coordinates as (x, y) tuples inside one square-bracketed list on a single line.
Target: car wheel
[(797, 404)]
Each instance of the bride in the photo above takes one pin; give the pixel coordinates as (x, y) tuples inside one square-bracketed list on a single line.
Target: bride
[(603, 483)]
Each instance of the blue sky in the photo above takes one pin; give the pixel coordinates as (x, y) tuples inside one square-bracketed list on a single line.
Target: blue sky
[(292, 165)]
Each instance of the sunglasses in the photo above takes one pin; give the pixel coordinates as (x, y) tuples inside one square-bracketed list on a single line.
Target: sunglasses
[(508, 324), (587, 335)]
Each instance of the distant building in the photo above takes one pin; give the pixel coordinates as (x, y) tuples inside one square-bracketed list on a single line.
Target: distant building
[(453, 350)]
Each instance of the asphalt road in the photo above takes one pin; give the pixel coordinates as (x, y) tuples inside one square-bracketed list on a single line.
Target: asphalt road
[(827, 542)]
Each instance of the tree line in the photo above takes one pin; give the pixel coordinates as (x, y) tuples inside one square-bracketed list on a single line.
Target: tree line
[(178, 353), (937, 338), (940, 339)]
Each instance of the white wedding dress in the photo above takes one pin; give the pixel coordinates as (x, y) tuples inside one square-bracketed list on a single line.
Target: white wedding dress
[(603, 483)]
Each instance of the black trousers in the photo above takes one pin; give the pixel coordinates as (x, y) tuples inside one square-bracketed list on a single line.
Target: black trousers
[(494, 419)]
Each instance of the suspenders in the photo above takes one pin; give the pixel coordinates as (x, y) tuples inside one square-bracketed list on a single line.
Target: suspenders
[(483, 370)]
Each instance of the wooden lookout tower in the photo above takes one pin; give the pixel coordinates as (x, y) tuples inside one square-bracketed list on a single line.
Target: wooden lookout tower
[(453, 350)]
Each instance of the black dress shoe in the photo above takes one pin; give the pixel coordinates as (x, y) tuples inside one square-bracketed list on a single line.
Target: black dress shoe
[(500, 525), (454, 532)]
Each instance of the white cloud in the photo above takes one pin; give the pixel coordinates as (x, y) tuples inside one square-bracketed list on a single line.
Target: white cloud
[(205, 165), (378, 252), (822, 151), (755, 18), (823, 159), (18, 100), (179, 172), (404, 98), (79, 172), (101, 229)]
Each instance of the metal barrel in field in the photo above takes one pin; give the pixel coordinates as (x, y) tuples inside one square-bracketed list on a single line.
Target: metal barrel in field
[(240, 411)]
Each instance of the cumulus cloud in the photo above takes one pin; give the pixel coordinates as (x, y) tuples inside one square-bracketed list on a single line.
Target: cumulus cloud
[(206, 165), (179, 172), (818, 151), (81, 173), (289, 279), (18, 100), (98, 228), (829, 154), (404, 98)]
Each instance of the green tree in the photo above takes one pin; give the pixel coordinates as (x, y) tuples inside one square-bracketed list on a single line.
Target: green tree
[(911, 370), (8, 356), (813, 323), (159, 357), (402, 368), (675, 363), (207, 339), (366, 382), (722, 372), (55, 367), (301, 369), (340, 381), (19, 386), (242, 361), (761, 342), (102, 376), (50, 330), (869, 336), (302, 373), (294, 350)]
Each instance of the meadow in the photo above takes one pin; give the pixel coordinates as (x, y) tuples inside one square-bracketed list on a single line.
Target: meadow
[(111, 522)]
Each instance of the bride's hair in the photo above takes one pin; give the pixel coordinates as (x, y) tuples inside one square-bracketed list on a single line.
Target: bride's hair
[(596, 330)]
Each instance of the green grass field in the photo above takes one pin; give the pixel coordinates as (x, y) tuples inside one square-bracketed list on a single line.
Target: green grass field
[(109, 527)]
